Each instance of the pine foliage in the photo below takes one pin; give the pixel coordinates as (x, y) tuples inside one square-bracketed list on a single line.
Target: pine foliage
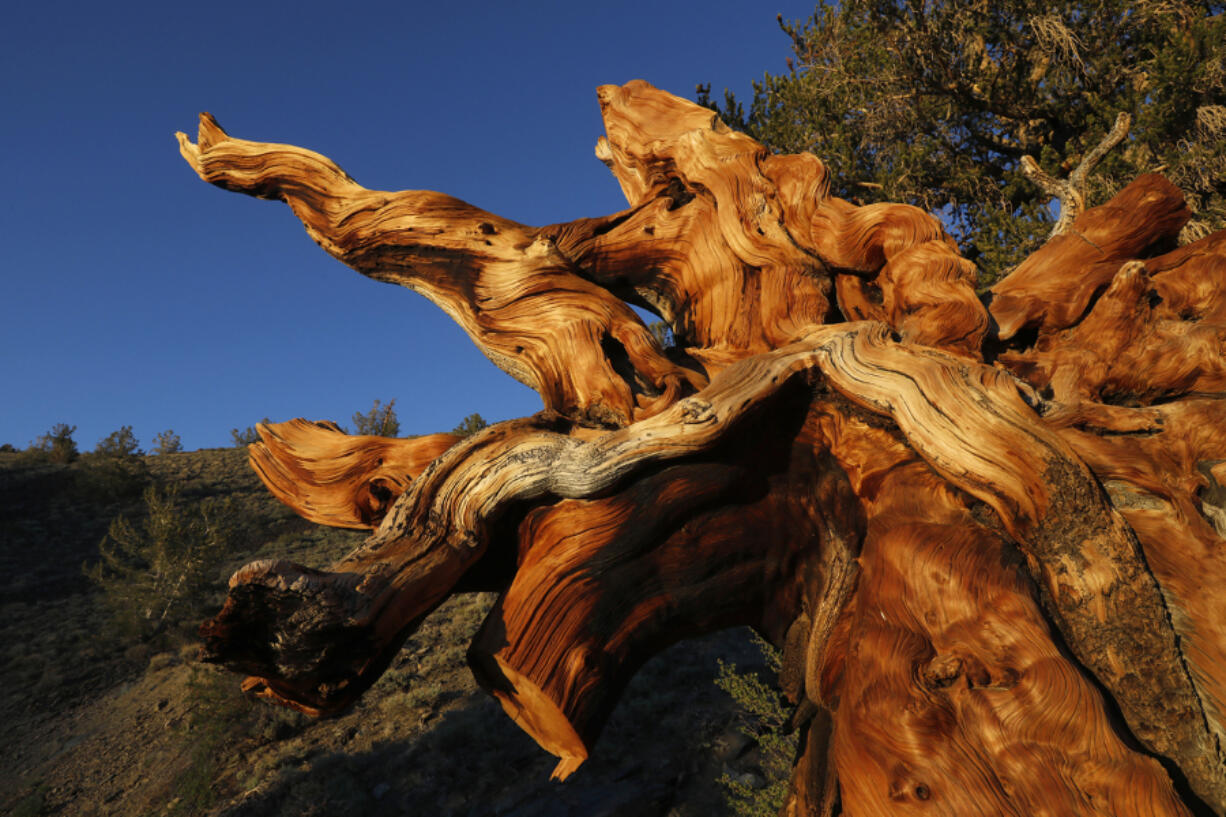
[(380, 421), (57, 445), (470, 425), (167, 442), (764, 718), (934, 103), (247, 436), (121, 443), (158, 572)]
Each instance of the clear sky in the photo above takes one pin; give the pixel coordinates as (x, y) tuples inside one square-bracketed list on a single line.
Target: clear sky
[(135, 294)]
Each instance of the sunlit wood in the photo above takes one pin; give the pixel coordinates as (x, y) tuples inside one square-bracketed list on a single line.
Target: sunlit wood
[(987, 530)]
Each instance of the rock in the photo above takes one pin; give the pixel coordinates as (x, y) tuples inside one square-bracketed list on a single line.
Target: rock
[(732, 744), (752, 779)]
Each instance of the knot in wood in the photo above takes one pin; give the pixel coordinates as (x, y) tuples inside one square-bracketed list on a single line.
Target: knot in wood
[(942, 671), (541, 246), (694, 411)]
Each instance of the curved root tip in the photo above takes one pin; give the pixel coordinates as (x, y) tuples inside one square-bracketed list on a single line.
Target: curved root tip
[(208, 135), (190, 152), (566, 766), (263, 689), (210, 132)]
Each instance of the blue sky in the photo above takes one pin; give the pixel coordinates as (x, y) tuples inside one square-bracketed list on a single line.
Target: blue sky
[(135, 294)]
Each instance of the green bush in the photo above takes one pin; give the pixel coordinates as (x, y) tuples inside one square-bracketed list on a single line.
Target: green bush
[(168, 442), (470, 425), (380, 421), (764, 718), (663, 334), (121, 443), (57, 445), (162, 572), (246, 436)]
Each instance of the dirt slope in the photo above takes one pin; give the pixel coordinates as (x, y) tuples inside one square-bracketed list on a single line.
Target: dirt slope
[(100, 726)]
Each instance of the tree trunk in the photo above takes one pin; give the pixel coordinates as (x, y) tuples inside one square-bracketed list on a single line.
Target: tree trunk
[(986, 531)]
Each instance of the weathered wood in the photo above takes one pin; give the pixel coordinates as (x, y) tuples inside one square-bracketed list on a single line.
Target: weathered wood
[(604, 584), (1071, 192), (1052, 288), (980, 533), (440, 527), (735, 247), (948, 657), (971, 425), (505, 284), (1166, 485), (338, 479)]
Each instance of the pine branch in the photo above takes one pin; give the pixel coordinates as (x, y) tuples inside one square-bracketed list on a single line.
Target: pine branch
[(1071, 192)]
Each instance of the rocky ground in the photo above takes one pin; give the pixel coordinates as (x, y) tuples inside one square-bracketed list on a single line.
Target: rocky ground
[(99, 725)]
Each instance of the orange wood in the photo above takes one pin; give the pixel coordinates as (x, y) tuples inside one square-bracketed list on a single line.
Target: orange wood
[(988, 529)]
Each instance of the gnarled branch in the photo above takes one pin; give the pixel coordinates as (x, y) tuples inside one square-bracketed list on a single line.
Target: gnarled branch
[(506, 284), (1071, 193), (969, 527)]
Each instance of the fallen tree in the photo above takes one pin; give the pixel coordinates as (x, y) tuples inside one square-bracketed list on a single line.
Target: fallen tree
[(986, 531)]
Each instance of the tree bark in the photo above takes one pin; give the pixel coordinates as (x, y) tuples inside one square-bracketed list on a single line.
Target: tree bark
[(988, 533)]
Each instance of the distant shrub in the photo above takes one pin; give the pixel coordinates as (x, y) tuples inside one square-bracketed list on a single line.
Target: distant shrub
[(470, 425), (7, 448), (121, 443), (161, 572), (247, 436), (763, 718), (166, 442), (663, 334), (57, 445), (104, 478), (380, 421)]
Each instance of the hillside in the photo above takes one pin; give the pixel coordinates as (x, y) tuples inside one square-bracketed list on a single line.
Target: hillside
[(105, 724)]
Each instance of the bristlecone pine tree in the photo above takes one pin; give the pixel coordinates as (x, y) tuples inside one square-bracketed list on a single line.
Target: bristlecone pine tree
[(986, 533)]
